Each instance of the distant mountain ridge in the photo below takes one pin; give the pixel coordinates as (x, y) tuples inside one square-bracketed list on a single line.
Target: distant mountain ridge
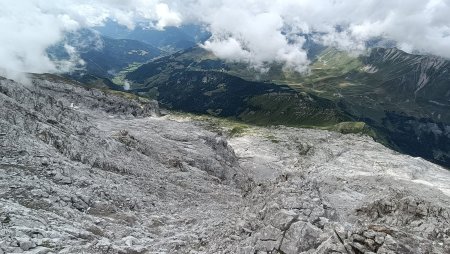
[(104, 56), (413, 76), (171, 39)]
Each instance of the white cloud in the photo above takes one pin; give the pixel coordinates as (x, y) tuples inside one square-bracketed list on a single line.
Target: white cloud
[(228, 48), (254, 31), (29, 27), (74, 62), (27, 31), (255, 38), (166, 17), (264, 27)]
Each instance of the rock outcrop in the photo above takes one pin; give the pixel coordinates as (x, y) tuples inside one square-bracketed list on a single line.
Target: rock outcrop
[(90, 171)]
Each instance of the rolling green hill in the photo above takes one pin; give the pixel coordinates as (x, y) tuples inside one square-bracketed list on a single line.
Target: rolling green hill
[(221, 94)]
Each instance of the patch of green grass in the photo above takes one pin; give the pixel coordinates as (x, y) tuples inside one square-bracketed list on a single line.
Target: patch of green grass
[(349, 127), (128, 96), (272, 139), (119, 79), (238, 130), (357, 128), (291, 110), (152, 93), (228, 126)]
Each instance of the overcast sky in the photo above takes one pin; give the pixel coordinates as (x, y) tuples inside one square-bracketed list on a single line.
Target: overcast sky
[(254, 31)]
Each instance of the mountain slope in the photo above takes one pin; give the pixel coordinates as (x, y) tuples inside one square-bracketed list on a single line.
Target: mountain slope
[(221, 94), (171, 39), (88, 171), (424, 78), (116, 55), (402, 97), (104, 56)]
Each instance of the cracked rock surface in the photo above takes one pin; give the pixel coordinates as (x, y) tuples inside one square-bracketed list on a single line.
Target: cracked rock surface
[(89, 171)]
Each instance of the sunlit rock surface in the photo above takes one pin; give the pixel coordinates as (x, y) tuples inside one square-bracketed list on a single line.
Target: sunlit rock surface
[(89, 171)]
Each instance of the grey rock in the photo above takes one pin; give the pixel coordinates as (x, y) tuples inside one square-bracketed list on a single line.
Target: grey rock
[(103, 243), (59, 178), (300, 237), (358, 238), (111, 176), (369, 234), (282, 219), (13, 250), (360, 247), (40, 250), (130, 241), (79, 204), (379, 239), (38, 193), (26, 244), (268, 239)]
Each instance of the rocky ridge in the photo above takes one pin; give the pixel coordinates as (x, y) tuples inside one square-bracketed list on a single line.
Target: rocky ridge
[(90, 171)]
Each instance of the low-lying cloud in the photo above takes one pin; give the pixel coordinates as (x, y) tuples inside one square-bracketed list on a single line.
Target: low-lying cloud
[(30, 27), (258, 32), (269, 30)]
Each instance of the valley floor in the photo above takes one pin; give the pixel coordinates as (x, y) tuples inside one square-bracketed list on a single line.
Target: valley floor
[(85, 171)]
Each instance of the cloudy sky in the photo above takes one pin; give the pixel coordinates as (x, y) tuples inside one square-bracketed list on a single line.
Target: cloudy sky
[(254, 31)]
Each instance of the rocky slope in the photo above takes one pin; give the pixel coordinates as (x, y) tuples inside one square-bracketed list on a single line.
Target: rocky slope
[(87, 171), (414, 77)]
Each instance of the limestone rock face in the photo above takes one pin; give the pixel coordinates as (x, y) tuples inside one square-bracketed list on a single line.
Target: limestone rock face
[(89, 171)]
